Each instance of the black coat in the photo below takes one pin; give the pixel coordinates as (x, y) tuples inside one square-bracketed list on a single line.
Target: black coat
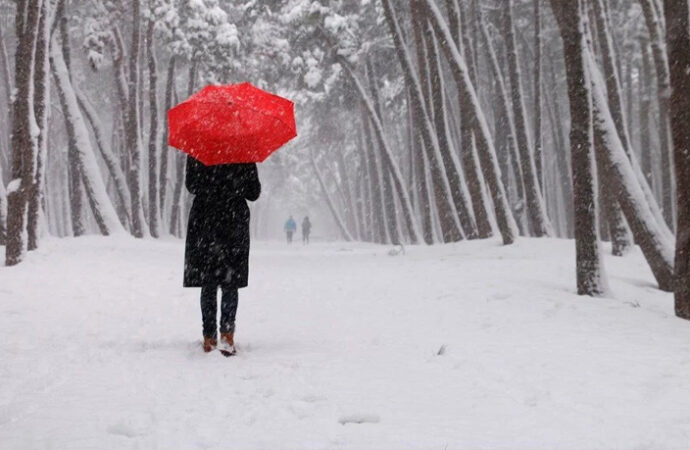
[(217, 247)]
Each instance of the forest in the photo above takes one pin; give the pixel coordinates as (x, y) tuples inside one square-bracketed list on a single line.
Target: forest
[(421, 122)]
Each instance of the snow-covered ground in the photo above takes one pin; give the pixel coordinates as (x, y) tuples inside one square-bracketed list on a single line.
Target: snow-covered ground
[(471, 345)]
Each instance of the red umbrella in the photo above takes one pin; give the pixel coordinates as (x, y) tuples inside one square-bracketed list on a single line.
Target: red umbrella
[(236, 123)]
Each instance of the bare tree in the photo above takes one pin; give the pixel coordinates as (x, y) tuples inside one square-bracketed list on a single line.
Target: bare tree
[(164, 176), (154, 214), (76, 190), (473, 175), (591, 279), (41, 96), (334, 211), (24, 142), (441, 188), (656, 247), (678, 42), (535, 204), (482, 137), (101, 206), (132, 128), (108, 156), (656, 35), (538, 152)]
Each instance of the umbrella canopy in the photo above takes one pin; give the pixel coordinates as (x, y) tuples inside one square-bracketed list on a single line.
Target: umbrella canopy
[(236, 123)]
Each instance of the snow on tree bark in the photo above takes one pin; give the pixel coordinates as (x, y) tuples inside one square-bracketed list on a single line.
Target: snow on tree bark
[(3, 212), (41, 97), (653, 20), (76, 193), (176, 214), (535, 203), (441, 187), (101, 206), (111, 161), (471, 169), (154, 213), (389, 216), (7, 88), (644, 95), (336, 216), (591, 279), (132, 135), (386, 152), (658, 250), (678, 42), (24, 133), (618, 230), (440, 114), (164, 177), (378, 229), (505, 109), (483, 140), (538, 152)]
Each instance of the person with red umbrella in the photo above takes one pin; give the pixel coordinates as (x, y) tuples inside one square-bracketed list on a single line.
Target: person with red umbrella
[(225, 130)]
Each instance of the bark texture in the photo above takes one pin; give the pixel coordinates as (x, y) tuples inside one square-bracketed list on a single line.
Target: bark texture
[(678, 42), (590, 271)]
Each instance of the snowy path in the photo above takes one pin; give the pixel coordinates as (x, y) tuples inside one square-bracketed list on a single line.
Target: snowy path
[(100, 349)]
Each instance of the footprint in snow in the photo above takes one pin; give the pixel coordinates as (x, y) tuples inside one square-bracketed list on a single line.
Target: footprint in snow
[(359, 419)]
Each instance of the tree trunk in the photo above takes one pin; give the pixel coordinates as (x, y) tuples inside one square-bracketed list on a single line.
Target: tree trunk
[(76, 190), (660, 58), (617, 228), (24, 142), (338, 220), (348, 194), (378, 229), (483, 139), (645, 106), (7, 88), (77, 133), (441, 189), (678, 42), (514, 153), (132, 136), (613, 89), (538, 152), (3, 213), (438, 102), (41, 98), (535, 203), (365, 196), (111, 161), (120, 75), (176, 215), (154, 214), (469, 162), (591, 279), (386, 153), (658, 250), (389, 216), (164, 177), (561, 153)]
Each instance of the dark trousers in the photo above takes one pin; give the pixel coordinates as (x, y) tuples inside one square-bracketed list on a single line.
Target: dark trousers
[(289, 237), (209, 309)]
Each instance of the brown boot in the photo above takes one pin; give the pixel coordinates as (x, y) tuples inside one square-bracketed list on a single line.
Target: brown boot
[(227, 343), (209, 344)]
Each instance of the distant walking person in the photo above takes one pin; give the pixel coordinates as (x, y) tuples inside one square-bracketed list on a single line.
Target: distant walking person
[(306, 230), (290, 228)]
